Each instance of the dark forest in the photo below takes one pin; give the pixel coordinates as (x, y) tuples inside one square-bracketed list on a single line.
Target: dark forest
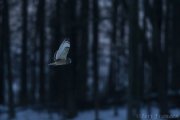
[(125, 60)]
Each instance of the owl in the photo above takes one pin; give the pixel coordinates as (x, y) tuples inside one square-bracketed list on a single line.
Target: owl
[(60, 56)]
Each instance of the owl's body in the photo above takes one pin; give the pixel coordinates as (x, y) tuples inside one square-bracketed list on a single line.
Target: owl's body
[(60, 57)]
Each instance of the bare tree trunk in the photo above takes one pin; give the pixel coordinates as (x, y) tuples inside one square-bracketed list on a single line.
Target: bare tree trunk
[(95, 56), (56, 81), (145, 54), (160, 61), (72, 92), (113, 64), (133, 90), (163, 86), (23, 91), (33, 66), (34, 74), (175, 47), (41, 35), (6, 36), (155, 16), (1, 56), (83, 53), (33, 63), (69, 72), (175, 42)]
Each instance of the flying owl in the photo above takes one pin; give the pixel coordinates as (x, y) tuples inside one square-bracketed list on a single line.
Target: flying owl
[(60, 56)]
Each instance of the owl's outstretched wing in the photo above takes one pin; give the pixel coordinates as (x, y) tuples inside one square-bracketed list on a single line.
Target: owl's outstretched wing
[(63, 50)]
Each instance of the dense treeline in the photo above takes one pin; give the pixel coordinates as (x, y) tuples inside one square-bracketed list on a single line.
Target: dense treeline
[(141, 43)]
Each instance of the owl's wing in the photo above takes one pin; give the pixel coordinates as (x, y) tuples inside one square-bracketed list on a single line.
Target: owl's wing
[(63, 50)]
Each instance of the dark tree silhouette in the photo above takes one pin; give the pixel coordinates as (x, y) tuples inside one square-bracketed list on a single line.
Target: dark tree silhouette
[(159, 57), (69, 72), (95, 56), (163, 85), (56, 82), (141, 36), (41, 35), (33, 62), (6, 37), (156, 20), (113, 65), (133, 89), (84, 18), (72, 28), (175, 46), (23, 91), (144, 51), (33, 69), (1, 56)]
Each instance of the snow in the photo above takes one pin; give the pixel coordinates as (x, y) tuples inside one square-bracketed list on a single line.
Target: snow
[(104, 115), (107, 114), (85, 115)]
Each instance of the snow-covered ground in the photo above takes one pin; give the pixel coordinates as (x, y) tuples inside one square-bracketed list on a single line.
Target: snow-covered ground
[(29, 114), (86, 115)]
